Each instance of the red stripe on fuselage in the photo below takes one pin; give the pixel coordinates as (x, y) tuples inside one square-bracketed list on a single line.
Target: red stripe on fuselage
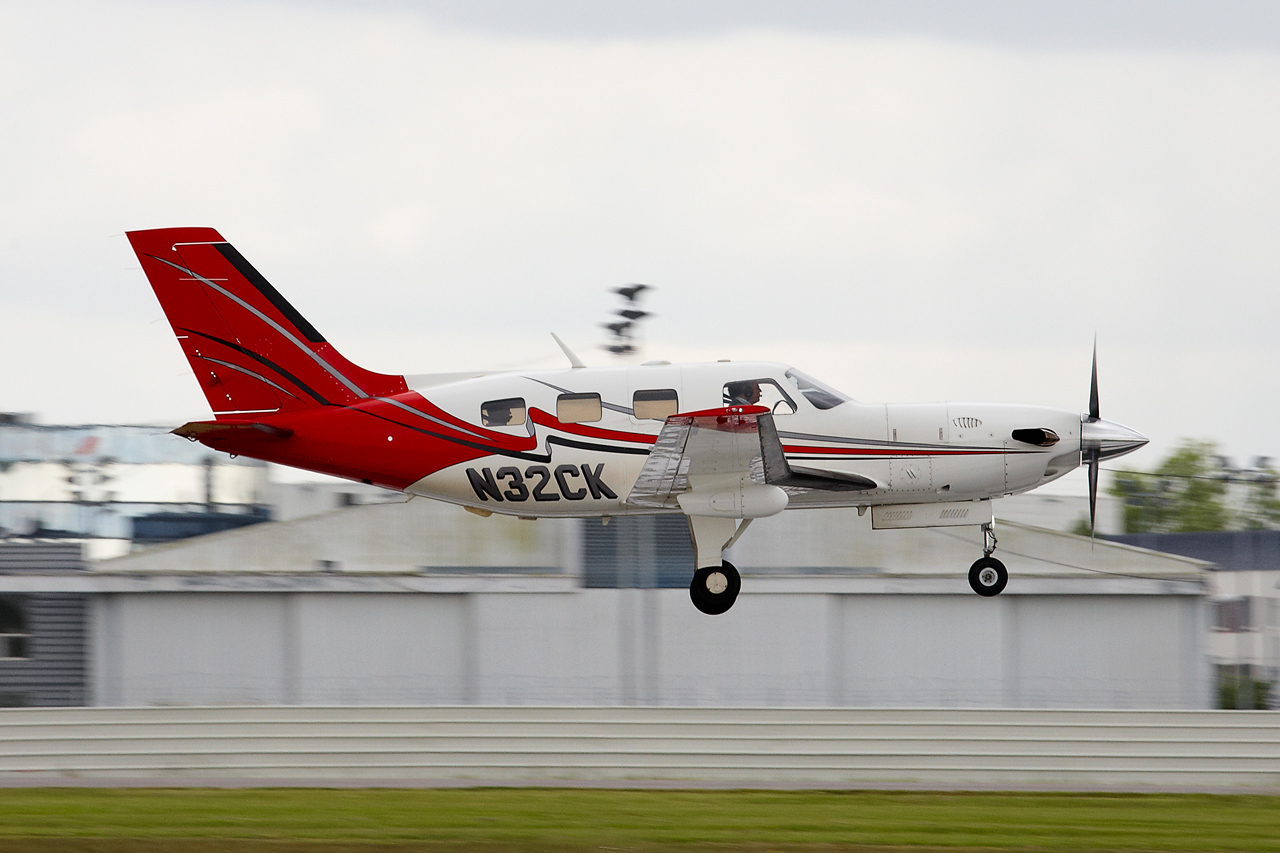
[(378, 441), (548, 420), (887, 451)]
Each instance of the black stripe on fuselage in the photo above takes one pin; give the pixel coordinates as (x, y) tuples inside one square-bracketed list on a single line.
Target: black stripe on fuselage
[(512, 454)]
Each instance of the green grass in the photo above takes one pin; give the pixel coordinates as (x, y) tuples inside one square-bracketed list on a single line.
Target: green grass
[(509, 819)]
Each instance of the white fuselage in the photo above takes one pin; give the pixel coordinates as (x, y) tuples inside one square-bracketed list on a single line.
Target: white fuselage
[(915, 453)]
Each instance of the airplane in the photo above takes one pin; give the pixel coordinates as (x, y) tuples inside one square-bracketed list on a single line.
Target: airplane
[(722, 443)]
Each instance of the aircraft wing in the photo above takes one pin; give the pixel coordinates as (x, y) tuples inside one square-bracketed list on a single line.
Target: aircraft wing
[(735, 440), (778, 472)]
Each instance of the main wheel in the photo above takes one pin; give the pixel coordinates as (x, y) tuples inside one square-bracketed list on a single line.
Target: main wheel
[(714, 589), (988, 576)]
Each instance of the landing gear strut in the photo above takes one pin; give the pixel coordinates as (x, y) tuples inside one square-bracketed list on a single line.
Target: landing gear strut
[(716, 583), (988, 576)]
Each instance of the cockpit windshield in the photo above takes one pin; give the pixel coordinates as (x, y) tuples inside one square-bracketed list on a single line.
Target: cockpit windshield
[(822, 396)]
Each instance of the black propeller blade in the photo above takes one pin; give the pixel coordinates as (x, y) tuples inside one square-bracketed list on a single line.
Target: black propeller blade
[(1093, 462), (1093, 384), (1093, 455)]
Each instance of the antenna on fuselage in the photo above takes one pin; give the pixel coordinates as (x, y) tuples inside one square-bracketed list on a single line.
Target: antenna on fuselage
[(574, 361)]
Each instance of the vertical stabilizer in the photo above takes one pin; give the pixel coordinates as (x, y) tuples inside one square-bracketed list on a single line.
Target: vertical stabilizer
[(251, 351)]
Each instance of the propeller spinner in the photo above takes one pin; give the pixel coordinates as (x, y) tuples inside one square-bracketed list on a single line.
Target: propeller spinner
[(1101, 439)]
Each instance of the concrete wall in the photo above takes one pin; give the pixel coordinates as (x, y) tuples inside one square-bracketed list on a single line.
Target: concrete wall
[(423, 603)]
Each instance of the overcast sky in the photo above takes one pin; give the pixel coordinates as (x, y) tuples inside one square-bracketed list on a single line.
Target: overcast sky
[(913, 201)]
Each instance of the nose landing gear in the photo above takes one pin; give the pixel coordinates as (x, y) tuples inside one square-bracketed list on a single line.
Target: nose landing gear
[(987, 575)]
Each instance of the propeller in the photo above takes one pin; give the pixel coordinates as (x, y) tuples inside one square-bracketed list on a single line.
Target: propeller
[(1100, 440)]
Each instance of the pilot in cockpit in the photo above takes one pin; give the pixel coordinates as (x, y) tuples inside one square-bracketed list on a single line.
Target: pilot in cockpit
[(742, 393)]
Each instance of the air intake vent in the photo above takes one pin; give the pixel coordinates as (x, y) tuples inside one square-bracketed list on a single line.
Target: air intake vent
[(1040, 436), (967, 423)]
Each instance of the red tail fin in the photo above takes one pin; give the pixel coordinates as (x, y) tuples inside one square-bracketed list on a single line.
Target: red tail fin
[(250, 349)]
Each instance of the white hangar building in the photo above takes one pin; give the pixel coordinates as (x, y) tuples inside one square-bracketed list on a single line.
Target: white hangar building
[(423, 603)]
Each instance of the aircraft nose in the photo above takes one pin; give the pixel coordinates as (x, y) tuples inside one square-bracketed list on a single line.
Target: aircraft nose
[(1109, 438)]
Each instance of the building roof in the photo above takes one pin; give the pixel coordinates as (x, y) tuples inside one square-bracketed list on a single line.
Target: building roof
[(815, 550), (1228, 551)]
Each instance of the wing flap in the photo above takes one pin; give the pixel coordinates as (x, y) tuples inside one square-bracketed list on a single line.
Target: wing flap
[(705, 443), (738, 440)]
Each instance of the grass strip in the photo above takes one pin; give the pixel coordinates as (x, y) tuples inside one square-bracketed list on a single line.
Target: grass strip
[(501, 819)]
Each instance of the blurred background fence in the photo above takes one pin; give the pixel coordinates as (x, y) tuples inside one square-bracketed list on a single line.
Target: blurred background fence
[(530, 745)]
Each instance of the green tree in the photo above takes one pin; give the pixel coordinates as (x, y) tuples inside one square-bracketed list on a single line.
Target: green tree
[(1186, 493), (1261, 509)]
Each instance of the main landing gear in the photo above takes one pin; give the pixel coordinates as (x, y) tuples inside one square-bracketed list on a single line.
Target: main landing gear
[(716, 583), (987, 575), (714, 590)]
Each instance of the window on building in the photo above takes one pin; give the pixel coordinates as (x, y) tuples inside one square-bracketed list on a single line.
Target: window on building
[(657, 405), (759, 392), (13, 630), (578, 408), (506, 412), (1232, 614)]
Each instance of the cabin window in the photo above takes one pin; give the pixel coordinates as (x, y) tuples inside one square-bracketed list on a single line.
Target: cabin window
[(578, 408), (13, 630), (657, 405), (759, 392), (500, 413)]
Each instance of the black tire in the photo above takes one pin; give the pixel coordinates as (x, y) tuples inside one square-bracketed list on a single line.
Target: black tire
[(988, 576), (714, 589)]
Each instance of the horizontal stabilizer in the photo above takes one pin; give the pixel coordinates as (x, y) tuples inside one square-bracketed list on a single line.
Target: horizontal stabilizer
[(200, 430)]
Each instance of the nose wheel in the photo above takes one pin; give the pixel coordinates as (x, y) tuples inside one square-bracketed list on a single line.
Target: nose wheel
[(987, 575), (714, 589)]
